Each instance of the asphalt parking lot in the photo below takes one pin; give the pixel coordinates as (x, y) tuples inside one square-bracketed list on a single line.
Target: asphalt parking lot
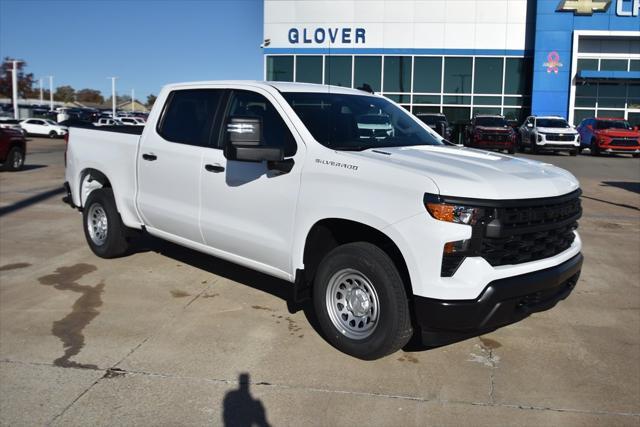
[(168, 336)]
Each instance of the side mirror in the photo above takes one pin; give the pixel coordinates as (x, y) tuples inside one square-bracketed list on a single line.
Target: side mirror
[(530, 125), (244, 138)]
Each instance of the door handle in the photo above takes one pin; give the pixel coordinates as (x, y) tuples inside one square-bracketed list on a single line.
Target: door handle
[(149, 156), (215, 168)]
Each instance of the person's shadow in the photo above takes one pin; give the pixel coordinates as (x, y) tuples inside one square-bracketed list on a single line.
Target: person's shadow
[(240, 409)]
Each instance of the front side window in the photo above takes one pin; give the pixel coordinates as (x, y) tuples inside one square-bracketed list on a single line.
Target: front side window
[(275, 132), (357, 122), (188, 116)]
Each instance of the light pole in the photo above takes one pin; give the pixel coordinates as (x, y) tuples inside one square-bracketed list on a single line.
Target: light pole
[(41, 93), (113, 96), (50, 93), (133, 107), (14, 86)]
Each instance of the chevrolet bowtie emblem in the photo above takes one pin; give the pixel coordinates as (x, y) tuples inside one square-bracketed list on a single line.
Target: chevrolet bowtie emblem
[(583, 7)]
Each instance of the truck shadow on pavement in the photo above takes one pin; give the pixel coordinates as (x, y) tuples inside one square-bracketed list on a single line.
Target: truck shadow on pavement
[(634, 187), (24, 203), (240, 409)]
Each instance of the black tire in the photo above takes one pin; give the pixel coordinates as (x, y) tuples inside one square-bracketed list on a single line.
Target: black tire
[(635, 155), (512, 150), (116, 243), (53, 135), (393, 326), (595, 150), (15, 160), (532, 143), (573, 152)]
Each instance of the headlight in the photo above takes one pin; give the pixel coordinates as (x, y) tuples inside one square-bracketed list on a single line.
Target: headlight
[(458, 214)]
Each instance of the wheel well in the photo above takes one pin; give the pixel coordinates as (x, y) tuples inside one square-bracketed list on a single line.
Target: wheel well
[(88, 180), (328, 234)]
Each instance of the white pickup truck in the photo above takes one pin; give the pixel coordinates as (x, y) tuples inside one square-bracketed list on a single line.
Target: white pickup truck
[(390, 234)]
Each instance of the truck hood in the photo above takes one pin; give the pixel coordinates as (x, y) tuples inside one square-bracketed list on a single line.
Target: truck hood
[(564, 131), (465, 172)]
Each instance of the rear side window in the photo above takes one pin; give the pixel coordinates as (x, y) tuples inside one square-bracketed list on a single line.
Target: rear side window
[(275, 132), (188, 116)]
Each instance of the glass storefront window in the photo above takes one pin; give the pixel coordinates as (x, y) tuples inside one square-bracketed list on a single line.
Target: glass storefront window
[(613, 65), (280, 68), (587, 64), (452, 99), (397, 74), (580, 115), (634, 96), (517, 100), (458, 117), (635, 65), (488, 75), (487, 100), (486, 110), (368, 70), (586, 95), (457, 75), (610, 113), (427, 74), (426, 99), (423, 110), (517, 79), (517, 114), (337, 70), (309, 69)]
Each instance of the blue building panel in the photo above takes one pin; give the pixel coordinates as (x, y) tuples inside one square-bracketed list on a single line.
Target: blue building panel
[(553, 47)]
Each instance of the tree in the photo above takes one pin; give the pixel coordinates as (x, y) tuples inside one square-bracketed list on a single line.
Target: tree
[(151, 99), (25, 81), (89, 95), (64, 94)]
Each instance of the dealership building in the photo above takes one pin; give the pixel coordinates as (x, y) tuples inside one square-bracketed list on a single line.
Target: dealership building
[(571, 58)]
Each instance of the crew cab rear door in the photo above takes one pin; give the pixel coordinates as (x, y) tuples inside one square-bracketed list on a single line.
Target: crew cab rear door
[(247, 210), (170, 161)]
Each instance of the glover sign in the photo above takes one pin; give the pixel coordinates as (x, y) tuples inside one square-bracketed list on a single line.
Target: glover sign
[(333, 35)]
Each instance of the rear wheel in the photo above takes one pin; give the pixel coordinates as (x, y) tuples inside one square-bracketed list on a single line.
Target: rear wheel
[(573, 152), (512, 150), (636, 155), (360, 301), (15, 159), (103, 227)]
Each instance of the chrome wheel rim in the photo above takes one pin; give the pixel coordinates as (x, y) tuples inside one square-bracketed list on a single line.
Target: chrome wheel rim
[(97, 224), (353, 304), (17, 160)]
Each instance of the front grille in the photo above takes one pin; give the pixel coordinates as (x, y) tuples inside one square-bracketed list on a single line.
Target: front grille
[(559, 137), (529, 233), (527, 247), (518, 231), (497, 137), (624, 142)]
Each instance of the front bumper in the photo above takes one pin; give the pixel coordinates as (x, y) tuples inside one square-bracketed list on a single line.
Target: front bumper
[(619, 150), (502, 302)]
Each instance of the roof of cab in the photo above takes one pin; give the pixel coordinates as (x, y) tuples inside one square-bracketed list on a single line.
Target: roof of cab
[(280, 86)]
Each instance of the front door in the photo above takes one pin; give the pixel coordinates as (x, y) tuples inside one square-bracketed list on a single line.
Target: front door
[(170, 160), (248, 211)]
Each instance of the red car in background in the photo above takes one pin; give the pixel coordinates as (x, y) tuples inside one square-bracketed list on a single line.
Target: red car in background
[(490, 133), (606, 135), (13, 148)]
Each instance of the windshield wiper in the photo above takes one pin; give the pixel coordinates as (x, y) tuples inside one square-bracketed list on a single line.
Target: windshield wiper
[(353, 147)]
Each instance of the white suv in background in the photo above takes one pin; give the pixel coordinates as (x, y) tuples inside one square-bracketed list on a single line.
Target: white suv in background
[(45, 127), (131, 121), (552, 133)]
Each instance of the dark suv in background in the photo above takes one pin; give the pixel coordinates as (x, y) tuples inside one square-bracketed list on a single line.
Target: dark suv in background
[(490, 132), (437, 122)]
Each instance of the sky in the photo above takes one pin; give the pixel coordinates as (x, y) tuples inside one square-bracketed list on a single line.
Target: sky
[(145, 43)]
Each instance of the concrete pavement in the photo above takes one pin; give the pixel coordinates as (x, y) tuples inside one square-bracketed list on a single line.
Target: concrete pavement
[(168, 336)]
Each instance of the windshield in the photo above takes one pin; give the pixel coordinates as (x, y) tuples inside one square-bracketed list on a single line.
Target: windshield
[(494, 122), (613, 124), (552, 123), (51, 122), (357, 122)]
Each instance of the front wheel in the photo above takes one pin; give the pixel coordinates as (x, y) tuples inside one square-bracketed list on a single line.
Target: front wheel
[(53, 134), (573, 152), (15, 160), (512, 150), (595, 150), (103, 227), (360, 301)]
